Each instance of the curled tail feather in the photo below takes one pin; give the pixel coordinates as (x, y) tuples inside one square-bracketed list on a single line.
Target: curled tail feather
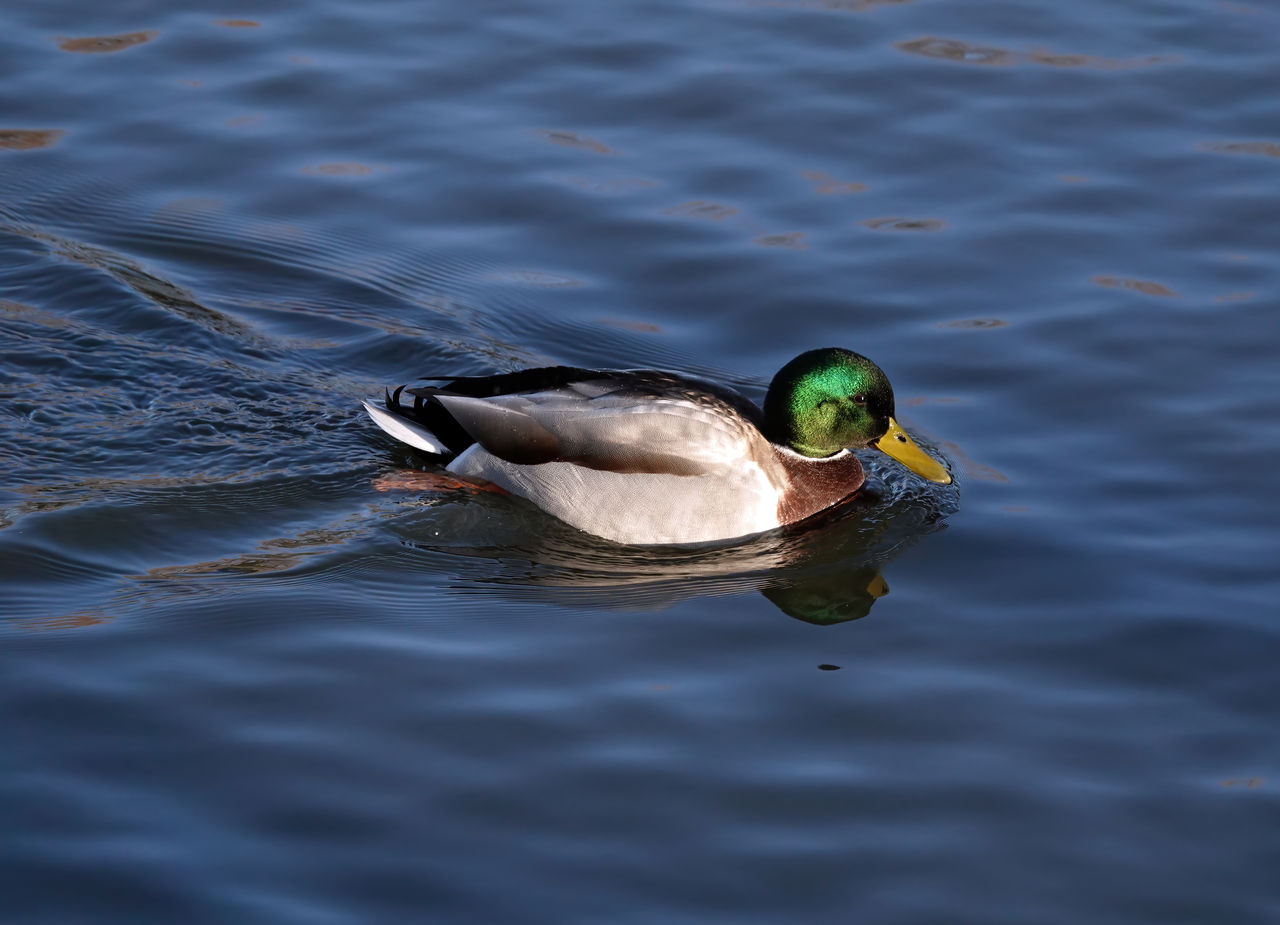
[(405, 430)]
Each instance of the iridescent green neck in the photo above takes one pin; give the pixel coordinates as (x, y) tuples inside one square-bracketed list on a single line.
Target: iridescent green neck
[(827, 400)]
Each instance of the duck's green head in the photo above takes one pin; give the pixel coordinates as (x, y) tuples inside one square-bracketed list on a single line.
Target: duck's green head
[(828, 400)]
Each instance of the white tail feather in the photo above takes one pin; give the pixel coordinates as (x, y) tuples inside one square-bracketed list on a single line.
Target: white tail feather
[(404, 430)]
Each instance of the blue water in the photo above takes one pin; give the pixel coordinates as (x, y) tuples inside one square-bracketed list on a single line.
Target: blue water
[(242, 678)]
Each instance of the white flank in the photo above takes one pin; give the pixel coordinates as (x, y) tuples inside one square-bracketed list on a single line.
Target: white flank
[(405, 431), (639, 509)]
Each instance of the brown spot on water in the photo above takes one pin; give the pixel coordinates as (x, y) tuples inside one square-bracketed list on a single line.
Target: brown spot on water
[(897, 223), (238, 23), (69, 621), (1250, 782), (932, 46), (1263, 148), (24, 139), (962, 52), (566, 139), (792, 239), (702, 210), (827, 185), (1056, 59), (105, 44), (1146, 287), (969, 324)]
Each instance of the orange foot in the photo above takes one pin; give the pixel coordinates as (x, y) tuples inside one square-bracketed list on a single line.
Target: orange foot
[(413, 480)]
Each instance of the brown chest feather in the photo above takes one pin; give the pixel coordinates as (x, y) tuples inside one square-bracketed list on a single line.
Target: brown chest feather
[(816, 484)]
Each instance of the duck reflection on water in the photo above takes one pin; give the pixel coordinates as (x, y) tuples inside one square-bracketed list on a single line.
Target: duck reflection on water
[(824, 571)]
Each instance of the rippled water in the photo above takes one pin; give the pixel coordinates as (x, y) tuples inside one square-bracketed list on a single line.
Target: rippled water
[(243, 676)]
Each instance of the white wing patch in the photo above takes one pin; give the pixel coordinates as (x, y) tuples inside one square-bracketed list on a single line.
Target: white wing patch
[(405, 430)]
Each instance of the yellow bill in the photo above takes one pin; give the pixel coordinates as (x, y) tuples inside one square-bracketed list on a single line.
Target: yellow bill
[(897, 444)]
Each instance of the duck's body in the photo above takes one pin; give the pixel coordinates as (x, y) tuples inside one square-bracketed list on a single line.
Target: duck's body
[(639, 457)]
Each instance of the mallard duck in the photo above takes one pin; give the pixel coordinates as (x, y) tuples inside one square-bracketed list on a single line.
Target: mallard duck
[(644, 457)]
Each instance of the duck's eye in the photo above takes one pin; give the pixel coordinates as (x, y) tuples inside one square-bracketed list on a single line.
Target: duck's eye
[(859, 399)]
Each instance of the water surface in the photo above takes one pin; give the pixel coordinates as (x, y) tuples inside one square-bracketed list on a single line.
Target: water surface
[(240, 680)]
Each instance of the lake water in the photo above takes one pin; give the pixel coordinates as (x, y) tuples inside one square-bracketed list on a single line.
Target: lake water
[(241, 680)]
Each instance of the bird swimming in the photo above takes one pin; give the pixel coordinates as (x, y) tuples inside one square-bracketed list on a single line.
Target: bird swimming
[(644, 457)]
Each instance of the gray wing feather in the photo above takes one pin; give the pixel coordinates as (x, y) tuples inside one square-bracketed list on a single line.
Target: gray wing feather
[(504, 430), (615, 431)]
